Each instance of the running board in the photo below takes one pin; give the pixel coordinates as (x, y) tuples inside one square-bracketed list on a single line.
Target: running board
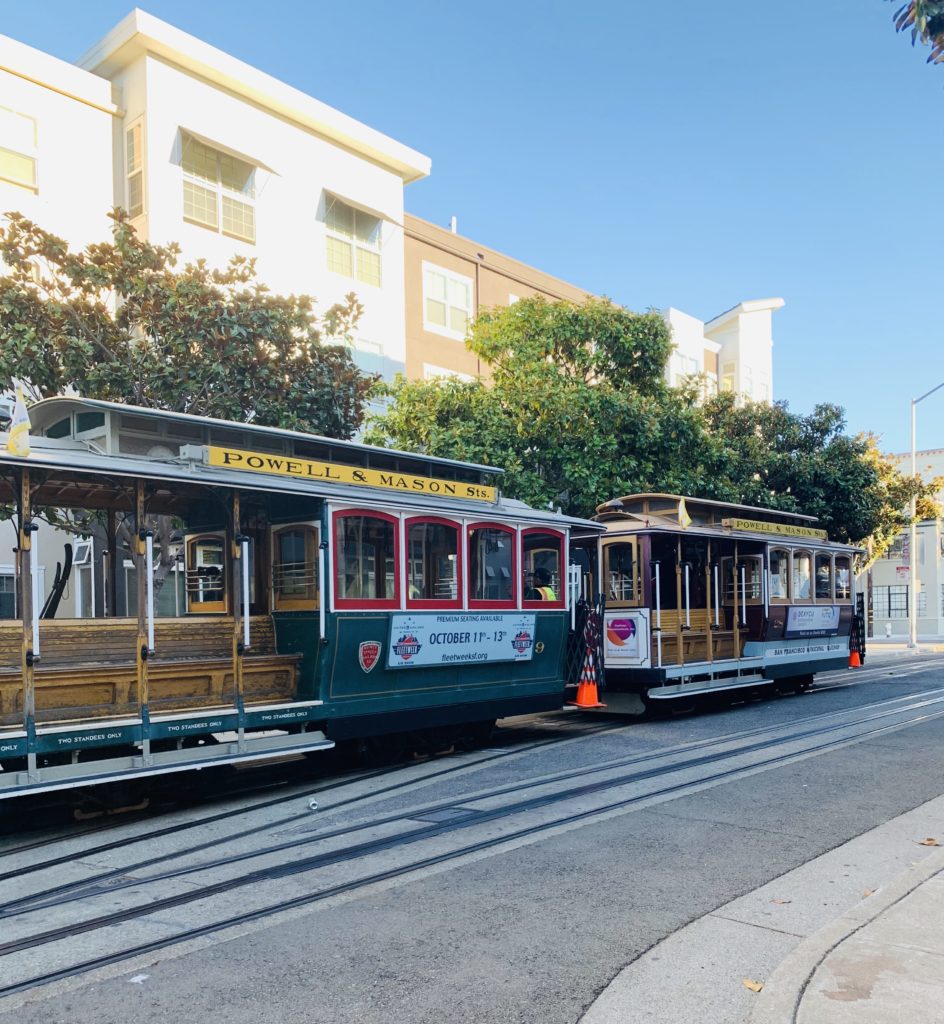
[(676, 690), (123, 769)]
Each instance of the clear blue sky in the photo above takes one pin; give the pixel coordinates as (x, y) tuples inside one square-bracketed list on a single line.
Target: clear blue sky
[(691, 154)]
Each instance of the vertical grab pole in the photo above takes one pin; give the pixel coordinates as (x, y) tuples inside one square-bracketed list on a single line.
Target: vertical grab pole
[(717, 599), (688, 610), (236, 603), (322, 591), (736, 615), (27, 604), (658, 615), (149, 569), (709, 634), (34, 585), (743, 594), (244, 555), (145, 644)]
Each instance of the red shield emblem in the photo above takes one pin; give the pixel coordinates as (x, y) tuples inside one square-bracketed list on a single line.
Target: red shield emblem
[(368, 654)]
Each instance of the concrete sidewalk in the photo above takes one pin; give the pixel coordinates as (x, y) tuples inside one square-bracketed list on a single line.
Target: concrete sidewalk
[(856, 934), (882, 962)]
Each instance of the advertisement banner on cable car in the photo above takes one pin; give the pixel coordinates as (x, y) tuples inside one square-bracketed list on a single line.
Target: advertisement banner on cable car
[(626, 641), (814, 620), (460, 638)]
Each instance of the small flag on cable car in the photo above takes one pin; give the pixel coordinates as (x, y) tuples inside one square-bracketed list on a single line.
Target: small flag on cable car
[(685, 520), (18, 439)]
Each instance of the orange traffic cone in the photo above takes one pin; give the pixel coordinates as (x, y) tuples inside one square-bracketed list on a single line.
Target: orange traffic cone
[(854, 660), (587, 696)]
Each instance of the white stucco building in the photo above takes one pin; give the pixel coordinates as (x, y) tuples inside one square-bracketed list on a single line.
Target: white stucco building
[(734, 350), (204, 150), (207, 151)]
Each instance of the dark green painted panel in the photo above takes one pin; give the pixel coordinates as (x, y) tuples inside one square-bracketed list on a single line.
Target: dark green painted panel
[(191, 727), (298, 633), (351, 690), (13, 748), (106, 736)]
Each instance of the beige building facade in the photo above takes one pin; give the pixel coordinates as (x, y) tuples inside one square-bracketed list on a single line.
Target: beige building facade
[(449, 278)]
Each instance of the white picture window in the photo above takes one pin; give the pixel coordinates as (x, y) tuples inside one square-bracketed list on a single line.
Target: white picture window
[(134, 169), (447, 301), (18, 163), (353, 242), (219, 189)]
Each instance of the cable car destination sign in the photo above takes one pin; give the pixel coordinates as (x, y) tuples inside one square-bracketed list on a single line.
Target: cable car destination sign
[(781, 529), (333, 472)]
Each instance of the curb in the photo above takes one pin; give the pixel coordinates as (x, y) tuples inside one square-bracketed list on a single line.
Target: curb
[(779, 1002)]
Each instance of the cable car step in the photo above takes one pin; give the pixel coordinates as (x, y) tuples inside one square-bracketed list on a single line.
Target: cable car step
[(676, 690)]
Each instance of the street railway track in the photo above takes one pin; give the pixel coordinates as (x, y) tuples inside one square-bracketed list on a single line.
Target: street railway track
[(709, 768)]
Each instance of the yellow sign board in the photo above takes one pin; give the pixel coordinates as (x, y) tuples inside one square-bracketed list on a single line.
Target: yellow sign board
[(332, 472), (782, 530)]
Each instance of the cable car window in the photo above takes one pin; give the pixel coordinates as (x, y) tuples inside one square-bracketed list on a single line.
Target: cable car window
[(843, 578), (779, 574), (492, 565), (433, 572), (295, 568), (748, 586), (206, 574), (541, 571), (824, 577), (621, 573), (366, 565), (802, 575)]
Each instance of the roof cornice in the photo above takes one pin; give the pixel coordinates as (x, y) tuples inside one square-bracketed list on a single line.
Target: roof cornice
[(140, 33)]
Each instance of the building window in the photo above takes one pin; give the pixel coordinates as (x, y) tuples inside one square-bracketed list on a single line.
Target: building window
[(353, 238), (890, 602), (18, 149), (219, 190), (134, 169), (433, 372), (922, 603), (8, 592), (447, 302), (682, 366), (727, 376)]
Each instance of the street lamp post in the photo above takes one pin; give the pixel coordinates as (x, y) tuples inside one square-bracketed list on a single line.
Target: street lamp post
[(913, 548)]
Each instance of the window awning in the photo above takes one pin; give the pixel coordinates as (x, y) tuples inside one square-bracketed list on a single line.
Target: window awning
[(359, 204), (223, 148)]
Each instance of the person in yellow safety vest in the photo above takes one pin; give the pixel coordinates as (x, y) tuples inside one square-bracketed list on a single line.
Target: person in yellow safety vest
[(542, 591)]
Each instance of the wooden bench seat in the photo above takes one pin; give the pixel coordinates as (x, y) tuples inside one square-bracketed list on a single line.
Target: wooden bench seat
[(692, 641), (87, 668)]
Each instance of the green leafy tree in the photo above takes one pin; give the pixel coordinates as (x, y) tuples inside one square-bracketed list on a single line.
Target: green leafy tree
[(768, 456), (577, 411), (925, 20), (120, 321)]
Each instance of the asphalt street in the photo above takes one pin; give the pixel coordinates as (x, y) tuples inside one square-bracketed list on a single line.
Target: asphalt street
[(535, 930)]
